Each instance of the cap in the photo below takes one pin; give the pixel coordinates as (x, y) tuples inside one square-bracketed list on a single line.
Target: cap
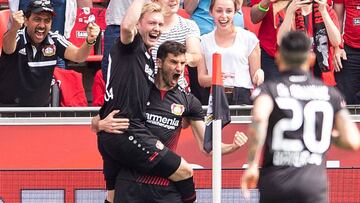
[(37, 6)]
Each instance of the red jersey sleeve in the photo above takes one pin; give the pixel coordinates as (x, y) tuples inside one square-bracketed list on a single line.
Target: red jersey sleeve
[(253, 2)]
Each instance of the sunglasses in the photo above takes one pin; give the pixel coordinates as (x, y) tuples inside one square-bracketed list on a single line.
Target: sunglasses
[(39, 3)]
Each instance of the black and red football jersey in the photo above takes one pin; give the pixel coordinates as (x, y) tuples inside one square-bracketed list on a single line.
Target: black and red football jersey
[(298, 136), (164, 114), (129, 79)]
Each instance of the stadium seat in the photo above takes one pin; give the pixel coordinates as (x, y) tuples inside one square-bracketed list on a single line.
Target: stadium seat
[(4, 18), (72, 92), (4, 4), (247, 21), (98, 89)]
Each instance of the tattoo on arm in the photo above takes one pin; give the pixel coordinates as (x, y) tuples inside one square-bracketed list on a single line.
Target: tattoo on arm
[(258, 131)]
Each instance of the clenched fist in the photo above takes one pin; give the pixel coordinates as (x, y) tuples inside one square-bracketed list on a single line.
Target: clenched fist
[(18, 20), (240, 139), (93, 31)]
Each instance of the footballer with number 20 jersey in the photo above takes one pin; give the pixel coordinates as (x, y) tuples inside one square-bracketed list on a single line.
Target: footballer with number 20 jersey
[(299, 134)]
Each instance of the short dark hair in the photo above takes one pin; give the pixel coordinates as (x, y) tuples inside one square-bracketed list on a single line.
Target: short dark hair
[(170, 47), (294, 48)]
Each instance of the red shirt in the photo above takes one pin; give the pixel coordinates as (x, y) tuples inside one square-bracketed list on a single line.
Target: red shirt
[(267, 31), (352, 22)]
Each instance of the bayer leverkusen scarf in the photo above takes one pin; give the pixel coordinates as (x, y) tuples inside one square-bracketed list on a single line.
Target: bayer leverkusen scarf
[(321, 43)]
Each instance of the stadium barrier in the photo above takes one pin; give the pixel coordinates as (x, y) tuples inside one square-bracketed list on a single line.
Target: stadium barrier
[(49, 155), (87, 186)]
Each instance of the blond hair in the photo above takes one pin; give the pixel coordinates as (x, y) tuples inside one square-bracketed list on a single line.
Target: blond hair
[(151, 7)]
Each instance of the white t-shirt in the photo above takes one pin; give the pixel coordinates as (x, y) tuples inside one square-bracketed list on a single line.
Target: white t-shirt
[(234, 59), (116, 10)]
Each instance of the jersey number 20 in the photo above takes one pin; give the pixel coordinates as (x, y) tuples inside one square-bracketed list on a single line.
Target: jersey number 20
[(307, 117)]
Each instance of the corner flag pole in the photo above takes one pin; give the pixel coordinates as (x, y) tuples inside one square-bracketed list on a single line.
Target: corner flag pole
[(216, 131)]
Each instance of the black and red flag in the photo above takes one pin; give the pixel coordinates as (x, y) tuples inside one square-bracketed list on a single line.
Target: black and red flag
[(218, 108)]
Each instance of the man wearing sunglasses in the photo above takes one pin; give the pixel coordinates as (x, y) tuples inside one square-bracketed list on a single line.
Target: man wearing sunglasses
[(30, 52)]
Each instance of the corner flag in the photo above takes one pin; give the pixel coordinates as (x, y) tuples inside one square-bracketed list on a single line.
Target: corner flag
[(218, 108)]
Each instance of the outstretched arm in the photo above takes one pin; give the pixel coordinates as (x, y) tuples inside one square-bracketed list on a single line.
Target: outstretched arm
[(239, 140), (131, 18), (9, 39), (198, 128), (77, 54), (347, 134)]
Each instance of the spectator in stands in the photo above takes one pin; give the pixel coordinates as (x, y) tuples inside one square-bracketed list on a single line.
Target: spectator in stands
[(181, 30), (114, 14), (62, 8), (200, 13), (29, 55), (161, 105), (319, 21), (270, 13), (61, 24), (84, 3), (240, 54), (295, 118), (348, 79)]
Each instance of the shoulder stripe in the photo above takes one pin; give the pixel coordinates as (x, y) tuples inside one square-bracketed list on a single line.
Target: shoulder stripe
[(63, 41), (60, 38), (21, 34), (42, 63)]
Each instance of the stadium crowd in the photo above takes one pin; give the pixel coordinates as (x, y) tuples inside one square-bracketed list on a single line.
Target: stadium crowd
[(44, 36), (333, 28)]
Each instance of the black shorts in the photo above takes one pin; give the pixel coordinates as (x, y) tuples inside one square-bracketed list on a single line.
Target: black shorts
[(133, 192), (307, 184), (320, 198), (138, 150)]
